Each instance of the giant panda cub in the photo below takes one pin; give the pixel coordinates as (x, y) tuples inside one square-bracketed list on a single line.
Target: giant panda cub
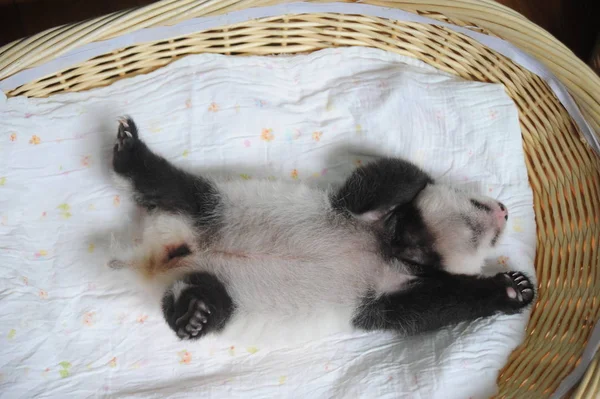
[(389, 250)]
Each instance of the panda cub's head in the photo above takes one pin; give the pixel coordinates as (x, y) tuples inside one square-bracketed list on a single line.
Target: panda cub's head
[(444, 226)]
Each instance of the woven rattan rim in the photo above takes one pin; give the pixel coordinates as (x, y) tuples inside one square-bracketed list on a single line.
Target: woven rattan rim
[(486, 15), (563, 171)]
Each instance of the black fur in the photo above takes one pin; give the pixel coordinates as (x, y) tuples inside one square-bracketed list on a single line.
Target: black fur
[(180, 251), (389, 186), (158, 183), (431, 303), (480, 206), (203, 307), (380, 186), (411, 241), (476, 229), (435, 299)]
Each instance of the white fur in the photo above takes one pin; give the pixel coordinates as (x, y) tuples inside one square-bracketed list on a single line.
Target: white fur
[(295, 269), (120, 182), (178, 288), (444, 211)]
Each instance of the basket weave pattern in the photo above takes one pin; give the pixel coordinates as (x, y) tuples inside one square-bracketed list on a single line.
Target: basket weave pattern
[(564, 172)]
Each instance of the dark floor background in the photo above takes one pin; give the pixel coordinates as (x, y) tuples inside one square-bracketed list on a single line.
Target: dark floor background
[(575, 22)]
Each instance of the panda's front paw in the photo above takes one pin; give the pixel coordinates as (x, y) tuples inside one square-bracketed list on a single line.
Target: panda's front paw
[(518, 291)]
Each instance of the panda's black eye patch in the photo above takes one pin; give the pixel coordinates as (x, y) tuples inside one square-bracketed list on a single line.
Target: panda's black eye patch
[(178, 252), (480, 206), (477, 230)]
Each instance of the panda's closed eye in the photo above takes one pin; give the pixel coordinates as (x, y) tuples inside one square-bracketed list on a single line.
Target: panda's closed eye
[(480, 206)]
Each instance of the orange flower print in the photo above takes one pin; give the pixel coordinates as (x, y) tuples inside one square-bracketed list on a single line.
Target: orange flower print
[(13, 137), (112, 363), (185, 357), (142, 318), (213, 107), (358, 162), (41, 253), (317, 136), (89, 318), (188, 103), (267, 135), (231, 350), (85, 161), (294, 174), (35, 140), (117, 200), (43, 294)]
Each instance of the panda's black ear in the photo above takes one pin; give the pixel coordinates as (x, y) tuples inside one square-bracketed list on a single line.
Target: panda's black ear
[(373, 190)]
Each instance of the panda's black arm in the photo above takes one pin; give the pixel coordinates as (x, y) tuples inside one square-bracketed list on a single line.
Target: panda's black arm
[(380, 186), (428, 304)]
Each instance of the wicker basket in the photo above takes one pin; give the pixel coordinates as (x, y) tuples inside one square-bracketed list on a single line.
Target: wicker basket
[(564, 172)]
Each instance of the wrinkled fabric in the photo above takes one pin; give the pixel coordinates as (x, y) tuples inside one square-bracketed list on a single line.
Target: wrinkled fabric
[(72, 327)]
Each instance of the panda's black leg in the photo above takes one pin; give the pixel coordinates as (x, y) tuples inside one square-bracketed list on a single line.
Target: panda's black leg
[(156, 183), (431, 303), (197, 305)]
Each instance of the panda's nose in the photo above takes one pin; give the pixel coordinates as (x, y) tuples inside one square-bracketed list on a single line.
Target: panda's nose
[(503, 213)]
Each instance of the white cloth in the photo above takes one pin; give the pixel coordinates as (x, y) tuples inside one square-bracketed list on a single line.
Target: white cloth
[(70, 327)]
